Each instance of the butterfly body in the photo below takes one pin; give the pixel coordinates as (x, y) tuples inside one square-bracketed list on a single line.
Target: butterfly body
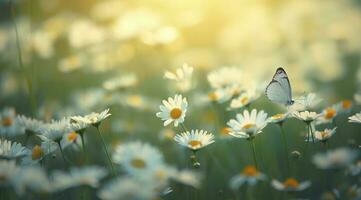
[(279, 89)]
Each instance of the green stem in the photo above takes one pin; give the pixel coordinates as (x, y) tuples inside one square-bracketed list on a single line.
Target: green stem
[(62, 154), (184, 127), (20, 60), (286, 149), (253, 147), (106, 151), (83, 146)]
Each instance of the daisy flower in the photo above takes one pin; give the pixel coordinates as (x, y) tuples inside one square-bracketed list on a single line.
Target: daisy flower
[(225, 76), (306, 116), (137, 158), (195, 139), (247, 125), (278, 118), (93, 118), (324, 135), (224, 94), (31, 178), (182, 77), (327, 115), (244, 99), (89, 175), (121, 82), (249, 175), (290, 185), (56, 129), (8, 123), (307, 102), (31, 126), (37, 154), (355, 118), (344, 106), (334, 159), (128, 188), (173, 110), (9, 150)]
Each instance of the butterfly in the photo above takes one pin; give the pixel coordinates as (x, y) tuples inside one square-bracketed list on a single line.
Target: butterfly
[(279, 89)]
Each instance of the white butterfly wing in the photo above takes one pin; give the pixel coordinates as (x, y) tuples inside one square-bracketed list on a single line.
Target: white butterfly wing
[(279, 90), (276, 93)]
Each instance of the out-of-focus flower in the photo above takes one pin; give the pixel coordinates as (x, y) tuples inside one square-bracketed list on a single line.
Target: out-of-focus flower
[(290, 185), (173, 110), (89, 175), (37, 154), (162, 36), (43, 44), (278, 118), (308, 102), (7, 171), (31, 178), (186, 177), (355, 168), (249, 175), (8, 123), (355, 118), (93, 118), (137, 158), (56, 129), (327, 115), (128, 188), (195, 139), (225, 76), (244, 99), (83, 33), (224, 94), (167, 134), (334, 159), (248, 125), (71, 63), (324, 135), (30, 125), (344, 106), (9, 150), (182, 77), (306, 116), (121, 82)]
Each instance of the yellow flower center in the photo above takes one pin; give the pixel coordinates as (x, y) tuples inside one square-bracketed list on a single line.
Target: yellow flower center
[(138, 163), (248, 125), (225, 130), (71, 136), (277, 116), (36, 153), (291, 182), (161, 174), (244, 100), (212, 96), (330, 113), (346, 103), (6, 121), (323, 134), (195, 143), (249, 170), (175, 113), (135, 100)]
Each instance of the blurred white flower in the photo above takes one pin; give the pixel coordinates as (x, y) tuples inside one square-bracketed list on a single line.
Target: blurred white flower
[(56, 129), (308, 102), (83, 33), (37, 154), (7, 171), (121, 82), (224, 94), (88, 175), (186, 177), (43, 44), (324, 135), (9, 126), (12, 150), (182, 77), (306, 116), (334, 159), (128, 188), (173, 110), (195, 139), (278, 118), (162, 36), (356, 118), (31, 178), (290, 185), (327, 115), (355, 168), (72, 63), (244, 99), (249, 175), (225, 76), (248, 125), (30, 124), (137, 158), (343, 106)]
